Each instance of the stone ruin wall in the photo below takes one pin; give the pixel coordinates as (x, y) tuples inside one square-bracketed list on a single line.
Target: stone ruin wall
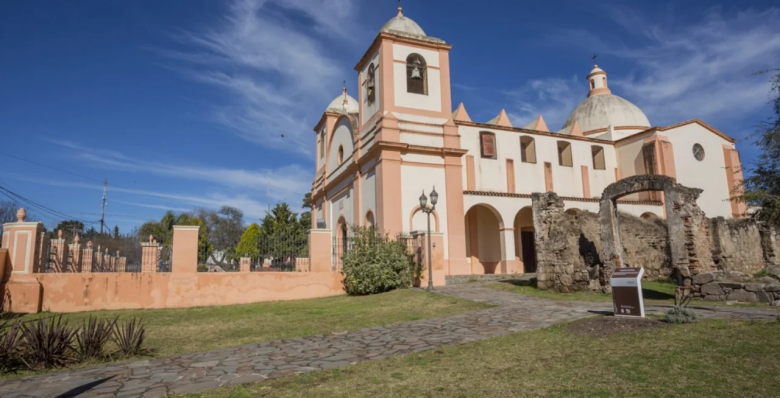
[(568, 246)]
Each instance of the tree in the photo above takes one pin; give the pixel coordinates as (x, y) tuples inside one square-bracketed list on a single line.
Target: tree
[(71, 227), (116, 231), (248, 246), (305, 219), (283, 235), (8, 210), (762, 187)]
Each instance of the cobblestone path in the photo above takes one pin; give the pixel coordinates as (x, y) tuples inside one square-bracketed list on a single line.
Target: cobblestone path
[(252, 363)]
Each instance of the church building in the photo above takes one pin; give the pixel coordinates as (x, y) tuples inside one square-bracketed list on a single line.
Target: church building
[(402, 137)]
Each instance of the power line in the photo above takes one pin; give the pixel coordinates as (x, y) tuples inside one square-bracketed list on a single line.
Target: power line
[(39, 207)]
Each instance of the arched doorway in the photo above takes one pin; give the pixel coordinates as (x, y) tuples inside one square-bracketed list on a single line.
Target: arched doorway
[(525, 248), (483, 238)]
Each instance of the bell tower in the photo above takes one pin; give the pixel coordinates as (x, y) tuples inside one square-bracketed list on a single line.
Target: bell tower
[(405, 71), (408, 139)]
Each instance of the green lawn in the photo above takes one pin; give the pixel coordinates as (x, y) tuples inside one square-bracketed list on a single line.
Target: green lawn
[(178, 331), (654, 292), (709, 359)]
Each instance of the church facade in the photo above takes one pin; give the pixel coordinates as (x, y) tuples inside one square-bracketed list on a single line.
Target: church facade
[(376, 154)]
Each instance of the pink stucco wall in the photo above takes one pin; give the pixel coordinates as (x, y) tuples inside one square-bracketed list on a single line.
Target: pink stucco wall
[(111, 291)]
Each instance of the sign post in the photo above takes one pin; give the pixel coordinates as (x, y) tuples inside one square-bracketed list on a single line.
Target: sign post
[(627, 292)]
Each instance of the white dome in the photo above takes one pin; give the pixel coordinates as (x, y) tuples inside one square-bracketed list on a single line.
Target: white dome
[(339, 106), (402, 24), (602, 110)]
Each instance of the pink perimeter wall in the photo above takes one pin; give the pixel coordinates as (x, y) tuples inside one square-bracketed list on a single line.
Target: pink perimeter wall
[(74, 292)]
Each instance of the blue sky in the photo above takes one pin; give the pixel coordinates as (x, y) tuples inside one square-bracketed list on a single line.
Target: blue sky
[(183, 104)]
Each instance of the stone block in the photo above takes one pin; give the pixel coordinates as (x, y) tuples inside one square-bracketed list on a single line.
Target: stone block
[(715, 298), (711, 289), (754, 287), (743, 296), (731, 285), (764, 297), (774, 272), (772, 288), (705, 277)]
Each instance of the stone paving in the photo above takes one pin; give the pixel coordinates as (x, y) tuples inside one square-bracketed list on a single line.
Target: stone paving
[(257, 362)]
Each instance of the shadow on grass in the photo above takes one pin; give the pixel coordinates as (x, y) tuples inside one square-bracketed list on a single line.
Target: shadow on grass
[(649, 294)]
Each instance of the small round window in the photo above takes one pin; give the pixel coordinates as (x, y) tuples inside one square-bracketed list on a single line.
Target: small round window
[(698, 152)]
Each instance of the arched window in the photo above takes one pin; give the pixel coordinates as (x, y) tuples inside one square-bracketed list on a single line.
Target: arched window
[(564, 153), (592, 84), (527, 149), (371, 84), (341, 155), (487, 144), (322, 144), (604, 82), (416, 74), (598, 157), (369, 219)]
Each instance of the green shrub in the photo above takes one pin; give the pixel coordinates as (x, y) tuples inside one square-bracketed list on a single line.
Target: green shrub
[(376, 264), (129, 338), (48, 343), (679, 314), (93, 336)]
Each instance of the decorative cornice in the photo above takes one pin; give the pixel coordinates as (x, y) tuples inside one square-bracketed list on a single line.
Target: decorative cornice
[(569, 198)]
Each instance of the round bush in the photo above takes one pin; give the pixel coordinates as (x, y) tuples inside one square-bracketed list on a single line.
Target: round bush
[(374, 264)]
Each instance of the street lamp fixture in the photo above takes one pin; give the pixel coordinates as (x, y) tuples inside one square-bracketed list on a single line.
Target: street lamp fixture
[(428, 210)]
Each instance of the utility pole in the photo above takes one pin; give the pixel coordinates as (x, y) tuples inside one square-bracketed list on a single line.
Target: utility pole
[(103, 207)]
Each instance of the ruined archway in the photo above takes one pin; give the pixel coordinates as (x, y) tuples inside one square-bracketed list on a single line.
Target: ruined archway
[(686, 224)]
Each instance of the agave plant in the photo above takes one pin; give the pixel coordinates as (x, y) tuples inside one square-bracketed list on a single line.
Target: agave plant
[(93, 336), (130, 337), (10, 345), (48, 343)]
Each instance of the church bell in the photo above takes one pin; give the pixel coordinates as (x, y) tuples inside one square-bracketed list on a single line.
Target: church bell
[(416, 73)]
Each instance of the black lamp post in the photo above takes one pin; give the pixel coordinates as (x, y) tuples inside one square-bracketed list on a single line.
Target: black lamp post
[(429, 210)]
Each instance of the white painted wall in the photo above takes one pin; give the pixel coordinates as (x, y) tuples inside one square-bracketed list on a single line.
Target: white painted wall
[(415, 179), (341, 206), (490, 174), (368, 194), (342, 136), (709, 174), (430, 102)]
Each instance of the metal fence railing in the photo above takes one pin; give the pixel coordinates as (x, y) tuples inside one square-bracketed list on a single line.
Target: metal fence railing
[(280, 253)]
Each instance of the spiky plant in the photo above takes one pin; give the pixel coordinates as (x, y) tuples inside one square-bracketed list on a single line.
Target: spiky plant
[(93, 336), (10, 345), (48, 343), (129, 337)]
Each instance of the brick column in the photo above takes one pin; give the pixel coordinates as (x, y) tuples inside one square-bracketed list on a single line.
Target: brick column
[(150, 254), (87, 256), (74, 253), (320, 250), (59, 249), (107, 263), (118, 263), (509, 263), (245, 265), (22, 293), (185, 249)]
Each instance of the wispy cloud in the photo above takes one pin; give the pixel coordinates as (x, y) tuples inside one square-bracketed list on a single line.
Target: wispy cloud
[(553, 98), (283, 183), (252, 208), (681, 70), (276, 70)]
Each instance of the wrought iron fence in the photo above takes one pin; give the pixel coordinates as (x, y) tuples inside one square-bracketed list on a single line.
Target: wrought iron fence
[(280, 253), (345, 243)]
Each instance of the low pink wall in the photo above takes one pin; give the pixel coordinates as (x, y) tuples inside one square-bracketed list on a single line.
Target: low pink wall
[(72, 292)]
